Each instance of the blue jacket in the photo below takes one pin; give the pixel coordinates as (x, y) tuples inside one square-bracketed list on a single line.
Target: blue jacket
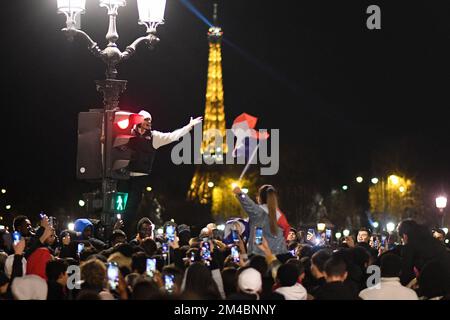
[(258, 217)]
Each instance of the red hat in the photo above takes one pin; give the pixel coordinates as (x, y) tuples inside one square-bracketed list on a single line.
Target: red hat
[(37, 262)]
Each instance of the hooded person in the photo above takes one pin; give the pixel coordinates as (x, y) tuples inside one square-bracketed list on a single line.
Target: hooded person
[(29, 287), (145, 229), (37, 262), (143, 146), (84, 229)]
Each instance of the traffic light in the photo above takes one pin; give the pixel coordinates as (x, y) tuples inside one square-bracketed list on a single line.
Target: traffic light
[(117, 152), (89, 156), (116, 202)]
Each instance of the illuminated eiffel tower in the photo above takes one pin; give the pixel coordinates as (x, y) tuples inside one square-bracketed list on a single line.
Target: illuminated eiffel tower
[(211, 184)]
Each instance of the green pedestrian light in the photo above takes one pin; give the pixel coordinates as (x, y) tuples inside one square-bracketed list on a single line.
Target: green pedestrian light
[(119, 201)]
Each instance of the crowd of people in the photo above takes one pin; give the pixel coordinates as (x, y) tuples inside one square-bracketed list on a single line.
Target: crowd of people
[(259, 258)]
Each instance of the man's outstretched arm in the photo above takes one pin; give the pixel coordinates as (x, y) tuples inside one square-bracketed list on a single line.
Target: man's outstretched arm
[(162, 138)]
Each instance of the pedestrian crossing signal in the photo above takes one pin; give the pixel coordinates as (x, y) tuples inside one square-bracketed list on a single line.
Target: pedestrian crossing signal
[(119, 201)]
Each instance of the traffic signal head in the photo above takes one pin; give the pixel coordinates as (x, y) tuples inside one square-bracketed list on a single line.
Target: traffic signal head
[(119, 127)]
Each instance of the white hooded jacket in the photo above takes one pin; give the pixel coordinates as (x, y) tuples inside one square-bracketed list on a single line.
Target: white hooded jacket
[(295, 292)]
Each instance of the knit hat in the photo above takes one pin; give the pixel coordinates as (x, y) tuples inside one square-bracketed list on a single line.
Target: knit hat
[(250, 281), (81, 224), (37, 262), (29, 287), (9, 264)]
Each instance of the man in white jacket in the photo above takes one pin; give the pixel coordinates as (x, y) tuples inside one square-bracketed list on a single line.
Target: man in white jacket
[(288, 276), (389, 288)]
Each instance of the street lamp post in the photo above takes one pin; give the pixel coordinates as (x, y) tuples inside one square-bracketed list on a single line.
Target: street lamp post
[(441, 204), (151, 15)]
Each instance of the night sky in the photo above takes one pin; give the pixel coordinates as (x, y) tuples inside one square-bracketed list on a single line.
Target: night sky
[(341, 95)]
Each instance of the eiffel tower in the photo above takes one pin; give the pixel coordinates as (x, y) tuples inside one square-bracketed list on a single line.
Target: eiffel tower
[(211, 184)]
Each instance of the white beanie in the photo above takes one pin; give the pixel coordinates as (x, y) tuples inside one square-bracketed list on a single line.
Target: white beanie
[(250, 281), (9, 265), (29, 287), (145, 114)]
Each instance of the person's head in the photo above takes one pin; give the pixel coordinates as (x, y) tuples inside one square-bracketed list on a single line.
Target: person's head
[(23, 225), (335, 269), (50, 240), (407, 229), (249, 281), (439, 234), (300, 267), (118, 236), (56, 271), (287, 275), (198, 280), (259, 263), (391, 265), (292, 235), (268, 195), (149, 246), (144, 289), (305, 251), (318, 261), (145, 228), (229, 278), (184, 234), (85, 227), (363, 235), (139, 262), (360, 256), (147, 122), (177, 274), (93, 272)]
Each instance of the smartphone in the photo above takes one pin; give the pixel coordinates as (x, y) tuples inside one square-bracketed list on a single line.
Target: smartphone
[(328, 235), (258, 235), (42, 215), (170, 233), (169, 282), (2, 227), (51, 221), (16, 237), (113, 275), (235, 235), (292, 252), (80, 247), (165, 248), (383, 240), (119, 216), (192, 256), (206, 251), (151, 267), (235, 254), (311, 232)]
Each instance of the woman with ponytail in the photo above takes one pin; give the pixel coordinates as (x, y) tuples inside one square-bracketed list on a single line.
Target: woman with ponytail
[(266, 215)]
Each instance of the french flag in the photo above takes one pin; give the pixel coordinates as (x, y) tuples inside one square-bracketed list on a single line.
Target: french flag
[(246, 135)]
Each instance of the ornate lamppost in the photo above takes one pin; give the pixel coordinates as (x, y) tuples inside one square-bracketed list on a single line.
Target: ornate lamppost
[(151, 15)]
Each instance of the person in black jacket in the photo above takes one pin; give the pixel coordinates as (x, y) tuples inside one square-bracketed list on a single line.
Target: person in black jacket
[(419, 249), (56, 279)]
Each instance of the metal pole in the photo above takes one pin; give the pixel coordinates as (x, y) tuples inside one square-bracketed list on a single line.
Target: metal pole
[(111, 90)]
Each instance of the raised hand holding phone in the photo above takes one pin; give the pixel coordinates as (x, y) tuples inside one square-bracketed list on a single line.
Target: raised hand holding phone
[(113, 275), (258, 236)]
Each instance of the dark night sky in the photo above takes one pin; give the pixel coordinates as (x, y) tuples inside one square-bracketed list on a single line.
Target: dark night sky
[(312, 70)]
